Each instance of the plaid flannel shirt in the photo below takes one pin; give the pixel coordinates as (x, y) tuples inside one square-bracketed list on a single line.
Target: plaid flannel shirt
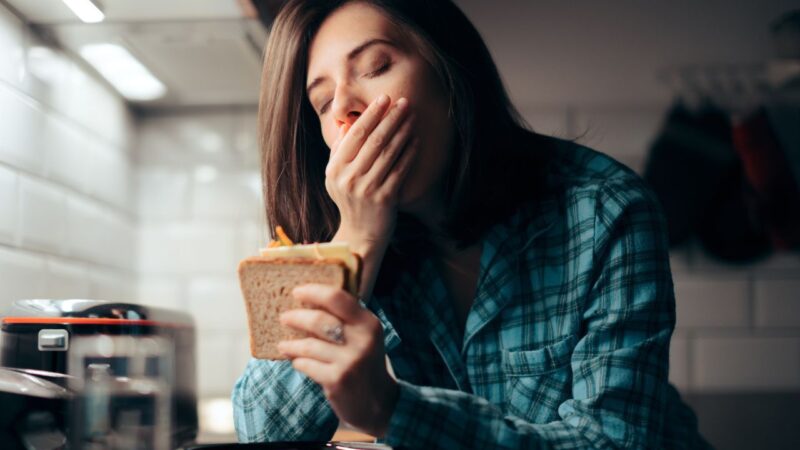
[(566, 344)]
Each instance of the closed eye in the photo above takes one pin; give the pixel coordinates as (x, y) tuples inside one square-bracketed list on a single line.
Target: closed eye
[(380, 70)]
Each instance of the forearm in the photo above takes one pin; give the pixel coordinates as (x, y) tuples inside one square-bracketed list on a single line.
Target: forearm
[(274, 402)]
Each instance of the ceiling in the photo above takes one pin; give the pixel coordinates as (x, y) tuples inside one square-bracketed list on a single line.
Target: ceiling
[(551, 53), (207, 52)]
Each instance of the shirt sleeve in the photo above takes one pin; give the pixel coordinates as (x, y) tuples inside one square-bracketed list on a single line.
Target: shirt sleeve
[(619, 365), (274, 402)]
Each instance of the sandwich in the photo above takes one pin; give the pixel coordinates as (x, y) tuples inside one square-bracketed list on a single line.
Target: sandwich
[(267, 281)]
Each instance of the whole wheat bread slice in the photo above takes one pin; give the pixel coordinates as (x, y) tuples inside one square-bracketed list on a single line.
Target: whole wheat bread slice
[(267, 290)]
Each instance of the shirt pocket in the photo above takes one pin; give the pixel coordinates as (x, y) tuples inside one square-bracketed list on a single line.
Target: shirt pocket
[(538, 381)]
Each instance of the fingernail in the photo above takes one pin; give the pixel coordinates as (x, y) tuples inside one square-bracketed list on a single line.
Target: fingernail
[(383, 100), (402, 103)]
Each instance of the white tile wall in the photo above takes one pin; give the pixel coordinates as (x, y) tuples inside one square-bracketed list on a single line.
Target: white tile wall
[(163, 291), (8, 205), (66, 222), (199, 201), (23, 120), (679, 361), (163, 193), (110, 178), (65, 279), (229, 196), (216, 303), (64, 153), (187, 248), (215, 370), (746, 363), (12, 41), (709, 302), (22, 275), (100, 234), (43, 210), (777, 303)]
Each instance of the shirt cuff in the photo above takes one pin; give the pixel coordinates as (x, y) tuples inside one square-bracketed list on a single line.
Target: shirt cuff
[(410, 422)]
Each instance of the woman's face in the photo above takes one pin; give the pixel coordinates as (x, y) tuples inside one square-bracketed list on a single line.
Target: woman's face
[(387, 64)]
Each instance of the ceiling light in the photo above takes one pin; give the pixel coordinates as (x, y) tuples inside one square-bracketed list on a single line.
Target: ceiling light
[(89, 11), (128, 76)]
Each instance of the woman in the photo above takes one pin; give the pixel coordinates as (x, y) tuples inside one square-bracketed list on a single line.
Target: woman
[(519, 284)]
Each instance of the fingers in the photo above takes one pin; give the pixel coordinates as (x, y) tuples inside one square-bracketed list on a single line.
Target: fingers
[(335, 301), (380, 138), (342, 132), (318, 371), (397, 175), (314, 321), (312, 348), (351, 143), (386, 158)]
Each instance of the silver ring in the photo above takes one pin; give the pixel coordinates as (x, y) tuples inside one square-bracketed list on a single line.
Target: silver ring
[(334, 333)]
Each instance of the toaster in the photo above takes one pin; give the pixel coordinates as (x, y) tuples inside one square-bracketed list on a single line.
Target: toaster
[(36, 335)]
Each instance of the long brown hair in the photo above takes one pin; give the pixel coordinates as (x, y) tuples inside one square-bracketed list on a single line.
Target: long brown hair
[(498, 163)]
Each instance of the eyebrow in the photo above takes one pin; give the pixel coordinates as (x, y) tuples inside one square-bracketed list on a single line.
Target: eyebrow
[(351, 56)]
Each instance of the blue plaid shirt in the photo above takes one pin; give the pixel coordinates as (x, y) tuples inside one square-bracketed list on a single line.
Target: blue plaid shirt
[(566, 344)]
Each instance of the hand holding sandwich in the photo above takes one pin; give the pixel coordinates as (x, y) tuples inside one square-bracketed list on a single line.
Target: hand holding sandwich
[(352, 372)]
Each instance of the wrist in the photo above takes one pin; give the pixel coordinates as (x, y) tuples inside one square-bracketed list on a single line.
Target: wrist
[(387, 405), (366, 248)]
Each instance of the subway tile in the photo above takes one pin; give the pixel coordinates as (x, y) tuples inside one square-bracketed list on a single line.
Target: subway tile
[(245, 137), (65, 153), (21, 145), (241, 343), (88, 102), (99, 234), (187, 248), (163, 292), (746, 364), (679, 259), (679, 362), (215, 374), (66, 279), (43, 208), (9, 211), (22, 276), (252, 237), (111, 285), (619, 132), (551, 122), (777, 303), (228, 196), (216, 303), (711, 302), (784, 263), (110, 178), (12, 48), (181, 140), (703, 263), (162, 193)]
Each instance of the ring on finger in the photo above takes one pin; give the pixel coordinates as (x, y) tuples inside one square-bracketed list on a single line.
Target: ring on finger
[(334, 333)]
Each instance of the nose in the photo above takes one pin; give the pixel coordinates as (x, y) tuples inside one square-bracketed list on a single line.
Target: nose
[(347, 105)]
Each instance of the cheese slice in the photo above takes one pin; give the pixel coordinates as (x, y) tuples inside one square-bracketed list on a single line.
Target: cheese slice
[(334, 250)]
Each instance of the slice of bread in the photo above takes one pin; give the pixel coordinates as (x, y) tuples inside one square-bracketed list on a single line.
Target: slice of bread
[(267, 285)]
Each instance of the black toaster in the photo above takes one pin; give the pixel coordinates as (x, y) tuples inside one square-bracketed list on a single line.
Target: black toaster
[(36, 335)]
